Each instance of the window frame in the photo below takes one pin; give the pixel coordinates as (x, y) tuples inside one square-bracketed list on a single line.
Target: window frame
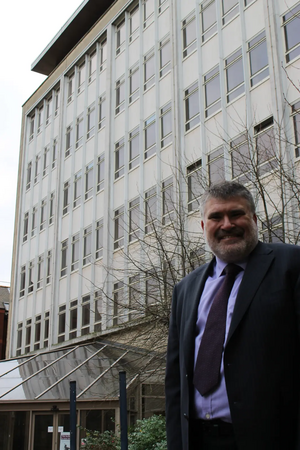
[(229, 62), (193, 121), (263, 72), (287, 19), (208, 78)]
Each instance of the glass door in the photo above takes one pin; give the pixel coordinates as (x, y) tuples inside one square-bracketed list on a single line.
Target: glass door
[(63, 432), (43, 431)]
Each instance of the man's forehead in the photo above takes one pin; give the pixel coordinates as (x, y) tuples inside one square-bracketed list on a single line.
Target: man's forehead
[(231, 203)]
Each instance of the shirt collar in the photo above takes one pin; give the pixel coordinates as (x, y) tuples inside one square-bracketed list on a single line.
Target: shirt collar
[(220, 265)]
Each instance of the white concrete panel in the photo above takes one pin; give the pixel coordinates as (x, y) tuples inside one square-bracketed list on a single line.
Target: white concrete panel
[(254, 18), (78, 160), (149, 102), (237, 119), (48, 299), (101, 141), (44, 187), (134, 52), (56, 126), (190, 70), (27, 202), (119, 127), (261, 102), (167, 162), (89, 150), (232, 36), (39, 142), (39, 301), (43, 240), (36, 194), (165, 89), (50, 241), (210, 54), (119, 66), (214, 132), (68, 168), (150, 175), (69, 114), (29, 303), (53, 180), (164, 23), (87, 285), (100, 205), (92, 94), (48, 134), (293, 70), (64, 228), (134, 114), (74, 285), (102, 82), (192, 145), (119, 192), (284, 7), (20, 310), (62, 294), (148, 38), (76, 220), (187, 7), (80, 103), (133, 183), (88, 212)]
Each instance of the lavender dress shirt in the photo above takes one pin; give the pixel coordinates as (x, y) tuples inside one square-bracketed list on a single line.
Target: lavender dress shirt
[(215, 405)]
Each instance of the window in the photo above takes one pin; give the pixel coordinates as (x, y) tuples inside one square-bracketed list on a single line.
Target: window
[(272, 230), (56, 101), (134, 23), (120, 37), (79, 131), (73, 319), (30, 277), (66, 197), (119, 159), (230, 8), (99, 239), (212, 91), (118, 299), (100, 173), (28, 177), (166, 125), (102, 105), (40, 272), (70, 89), (240, 159), (77, 189), (36, 168), (92, 66), (103, 55), (148, 12), (87, 245), (208, 19), (85, 316), (216, 166), (134, 293), (120, 95), (22, 281), (195, 188), (149, 70), (31, 128), (69, 139), (162, 5), (150, 209), (234, 75), (296, 122), (134, 84), (189, 35), (164, 56), (46, 328), (54, 153), (98, 311), (51, 208), (134, 151), (192, 109), (43, 214), (61, 323), (81, 77), (89, 180), (134, 219), (90, 121), (152, 288), (265, 146), (33, 221), (25, 226), (49, 262), (64, 259), (37, 332), (45, 161), (291, 33), (119, 228), (167, 200), (19, 338), (48, 110), (150, 137), (75, 252), (258, 56), (40, 118), (27, 336)]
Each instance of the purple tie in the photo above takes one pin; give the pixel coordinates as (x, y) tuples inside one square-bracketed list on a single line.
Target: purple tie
[(207, 369)]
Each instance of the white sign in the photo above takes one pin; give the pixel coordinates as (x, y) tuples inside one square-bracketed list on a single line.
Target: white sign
[(60, 429), (65, 441), (50, 429)]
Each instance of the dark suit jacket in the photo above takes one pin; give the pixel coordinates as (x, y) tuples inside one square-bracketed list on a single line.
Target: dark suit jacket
[(261, 357)]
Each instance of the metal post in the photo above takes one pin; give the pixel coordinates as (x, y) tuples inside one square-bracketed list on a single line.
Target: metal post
[(73, 415), (123, 411)]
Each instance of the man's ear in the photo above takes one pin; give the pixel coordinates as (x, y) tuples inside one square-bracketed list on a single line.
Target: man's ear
[(255, 218), (202, 225)]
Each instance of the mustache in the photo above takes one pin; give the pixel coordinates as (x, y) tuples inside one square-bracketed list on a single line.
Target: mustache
[(236, 232)]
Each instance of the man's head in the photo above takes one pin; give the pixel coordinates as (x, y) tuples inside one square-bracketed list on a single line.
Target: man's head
[(229, 221)]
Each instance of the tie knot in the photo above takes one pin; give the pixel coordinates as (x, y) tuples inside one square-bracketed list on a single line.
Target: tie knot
[(232, 270)]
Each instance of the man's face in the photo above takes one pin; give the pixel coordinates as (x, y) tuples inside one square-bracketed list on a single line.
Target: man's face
[(230, 228)]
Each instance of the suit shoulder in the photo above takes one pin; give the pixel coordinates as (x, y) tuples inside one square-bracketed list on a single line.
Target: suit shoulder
[(193, 275)]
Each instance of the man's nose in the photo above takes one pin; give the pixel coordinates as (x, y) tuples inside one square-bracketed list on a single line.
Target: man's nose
[(227, 223)]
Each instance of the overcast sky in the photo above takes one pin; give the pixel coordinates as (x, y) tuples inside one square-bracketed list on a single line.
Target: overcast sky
[(26, 27)]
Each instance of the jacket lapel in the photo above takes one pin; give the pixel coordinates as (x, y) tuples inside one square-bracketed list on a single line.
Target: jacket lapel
[(257, 267)]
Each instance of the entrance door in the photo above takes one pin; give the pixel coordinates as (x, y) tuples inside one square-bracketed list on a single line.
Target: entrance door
[(43, 437)]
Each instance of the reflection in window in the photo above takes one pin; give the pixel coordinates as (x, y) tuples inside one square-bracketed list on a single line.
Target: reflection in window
[(103, 54), (120, 37), (85, 315), (134, 151), (46, 328), (73, 319), (27, 336), (291, 33), (81, 77), (40, 272), (134, 209), (69, 138), (66, 200), (195, 188), (98, 313), (90, 121), (166, 125), (216, 166), (61, 323), (230, 8), (87, 245), (120, 95), (148, 12), (25, 226), (296, 123), (134, 22), (43, 214), (119, 158), (234, 75), (150, 209), (189, 35), (272, 230), (164, 56), (240, 159), (99, 239), (100, 173), (33, 220), (101, 119), (22, 281), (77, 189), (75, 252), (28, 177), (167, 200), (212, 91), (118, 303), (30, 277), (258, 56), (89, 180), (209, 19), (92, 65), (70, 87), (192, 109), (134, 83), (150, 137), (119, 228), (19, 338), (149, 70), (265, 146), (37, 332), (79, 131), (64, 254)]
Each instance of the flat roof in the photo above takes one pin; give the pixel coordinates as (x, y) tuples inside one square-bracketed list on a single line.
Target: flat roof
[(83, 19)]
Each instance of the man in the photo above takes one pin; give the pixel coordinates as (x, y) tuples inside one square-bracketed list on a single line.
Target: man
[(253, 403)]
